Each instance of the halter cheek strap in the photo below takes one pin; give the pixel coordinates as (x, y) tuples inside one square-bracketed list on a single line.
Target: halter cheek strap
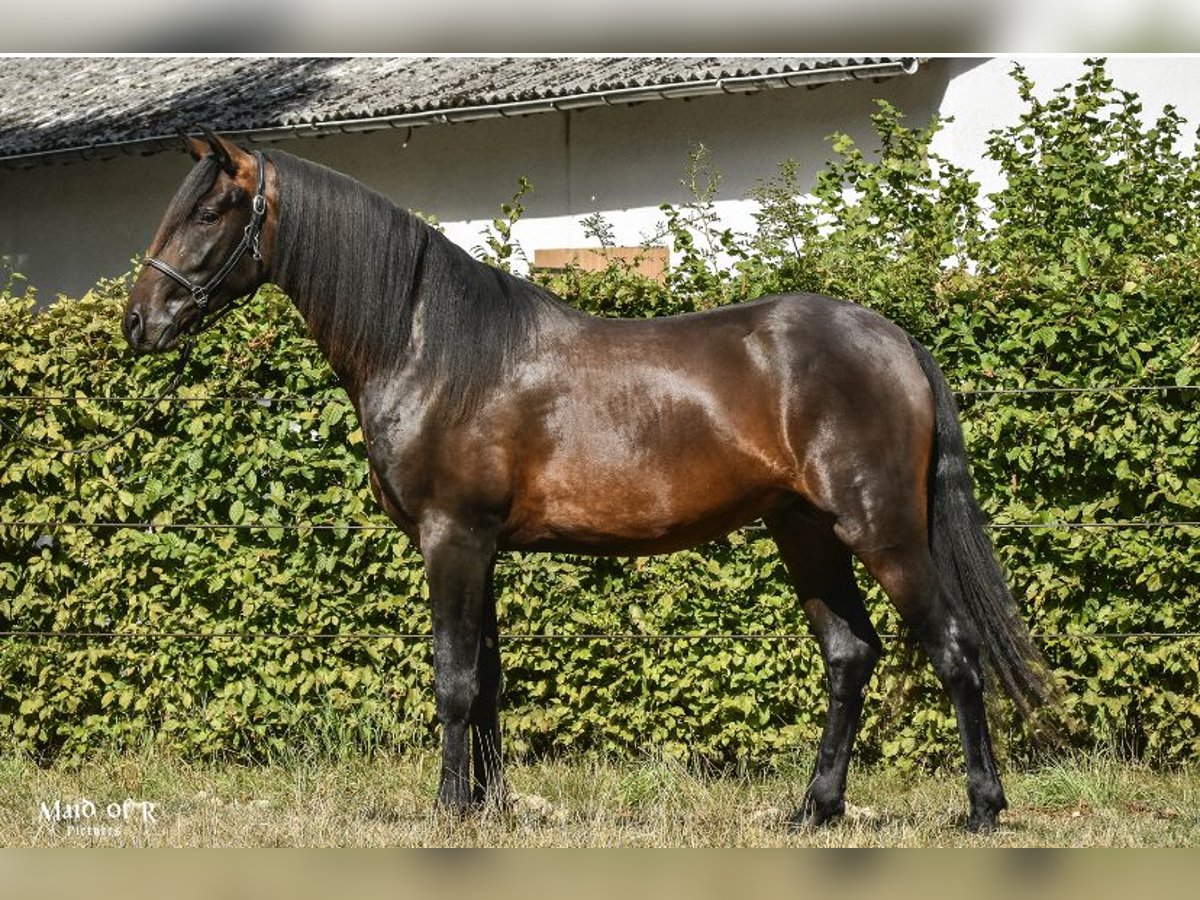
[(202, 293)]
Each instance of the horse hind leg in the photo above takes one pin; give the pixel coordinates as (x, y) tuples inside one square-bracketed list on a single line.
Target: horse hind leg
[(821, 571), (908, 575)]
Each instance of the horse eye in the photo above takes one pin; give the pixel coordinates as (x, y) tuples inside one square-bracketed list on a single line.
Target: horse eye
[(207, 217)]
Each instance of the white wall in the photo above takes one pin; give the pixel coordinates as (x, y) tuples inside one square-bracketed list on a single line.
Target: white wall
[(67, 225), (621, 161), (982, 96)]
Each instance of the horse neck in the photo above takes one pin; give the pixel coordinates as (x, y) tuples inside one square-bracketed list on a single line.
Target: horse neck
[(388, 298), (352, 279)]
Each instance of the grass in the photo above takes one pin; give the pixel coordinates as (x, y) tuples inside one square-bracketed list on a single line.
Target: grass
[(385, 800)]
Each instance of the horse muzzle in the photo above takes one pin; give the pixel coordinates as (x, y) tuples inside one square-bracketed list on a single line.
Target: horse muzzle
[(153, 327)]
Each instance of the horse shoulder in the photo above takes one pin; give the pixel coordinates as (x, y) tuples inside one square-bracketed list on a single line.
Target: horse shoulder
[(426, 467)]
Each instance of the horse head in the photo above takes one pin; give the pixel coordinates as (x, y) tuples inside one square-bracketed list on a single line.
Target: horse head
[(210, 248)]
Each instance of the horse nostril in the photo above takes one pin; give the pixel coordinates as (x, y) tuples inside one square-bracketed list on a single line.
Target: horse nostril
[(133, 326)]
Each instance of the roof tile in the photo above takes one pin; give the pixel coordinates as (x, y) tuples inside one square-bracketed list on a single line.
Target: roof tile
[(49, 103)]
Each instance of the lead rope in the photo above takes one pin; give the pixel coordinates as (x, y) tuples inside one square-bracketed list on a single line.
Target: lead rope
[(185, 354)]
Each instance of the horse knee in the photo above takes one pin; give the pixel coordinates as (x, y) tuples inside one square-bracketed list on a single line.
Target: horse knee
[(456, 689), (849, 663), (960, 673), (953, 652)]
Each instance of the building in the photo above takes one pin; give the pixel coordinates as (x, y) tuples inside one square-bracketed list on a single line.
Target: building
[(89, 156)]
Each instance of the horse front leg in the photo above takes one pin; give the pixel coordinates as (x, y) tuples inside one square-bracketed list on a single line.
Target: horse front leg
[(485, 715), (458, 565)]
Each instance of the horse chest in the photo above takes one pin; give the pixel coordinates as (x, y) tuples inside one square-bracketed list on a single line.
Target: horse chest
[(393, 504), (412, 480), (397, 478)]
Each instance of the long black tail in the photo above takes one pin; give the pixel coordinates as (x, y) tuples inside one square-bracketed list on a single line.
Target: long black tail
[(971, 575)]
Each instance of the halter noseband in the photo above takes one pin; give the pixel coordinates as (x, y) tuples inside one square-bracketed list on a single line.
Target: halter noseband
[(201, 294)]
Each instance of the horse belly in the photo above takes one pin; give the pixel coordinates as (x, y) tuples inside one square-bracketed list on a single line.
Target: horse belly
[(665, 435), (642, 506)]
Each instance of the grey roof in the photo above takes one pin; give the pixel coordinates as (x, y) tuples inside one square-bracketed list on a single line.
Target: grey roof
[(52, 106)]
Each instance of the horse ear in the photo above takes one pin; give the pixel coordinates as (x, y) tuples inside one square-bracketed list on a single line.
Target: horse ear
[(222, 150), (196, 147)]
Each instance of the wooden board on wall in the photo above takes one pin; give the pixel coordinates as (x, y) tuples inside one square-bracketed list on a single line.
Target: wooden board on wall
[(649, 261)]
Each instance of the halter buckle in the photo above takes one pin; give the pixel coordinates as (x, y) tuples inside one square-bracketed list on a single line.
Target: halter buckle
[(250, 238), (200, 296)]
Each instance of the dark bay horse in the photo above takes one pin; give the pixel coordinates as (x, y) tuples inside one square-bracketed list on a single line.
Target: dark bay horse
[(498, 418)]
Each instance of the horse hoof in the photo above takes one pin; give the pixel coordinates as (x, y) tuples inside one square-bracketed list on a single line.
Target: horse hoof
[(454, 807), (981, 823), (498, 802), (985, 807), (812, 815)]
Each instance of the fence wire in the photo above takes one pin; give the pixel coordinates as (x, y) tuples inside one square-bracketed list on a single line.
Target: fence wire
[(632, 636), (268, 400), (151, 527)]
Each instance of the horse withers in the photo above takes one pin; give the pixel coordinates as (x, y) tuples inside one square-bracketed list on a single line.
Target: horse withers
[(496, 417)]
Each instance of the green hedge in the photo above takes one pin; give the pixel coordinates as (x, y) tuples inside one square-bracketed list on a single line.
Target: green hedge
[(1081, 272)]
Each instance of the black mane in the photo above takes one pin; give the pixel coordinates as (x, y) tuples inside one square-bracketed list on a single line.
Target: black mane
[(362, 270)]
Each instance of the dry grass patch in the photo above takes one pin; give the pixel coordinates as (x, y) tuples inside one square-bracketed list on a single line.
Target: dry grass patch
[(385, 800)]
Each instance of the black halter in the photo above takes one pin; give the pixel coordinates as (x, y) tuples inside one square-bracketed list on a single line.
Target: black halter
[(201, 294)]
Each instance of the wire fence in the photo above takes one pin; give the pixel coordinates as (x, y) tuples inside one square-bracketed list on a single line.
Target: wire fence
[(1097, 389), (630, 636), (152, 527), (268, 401)]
